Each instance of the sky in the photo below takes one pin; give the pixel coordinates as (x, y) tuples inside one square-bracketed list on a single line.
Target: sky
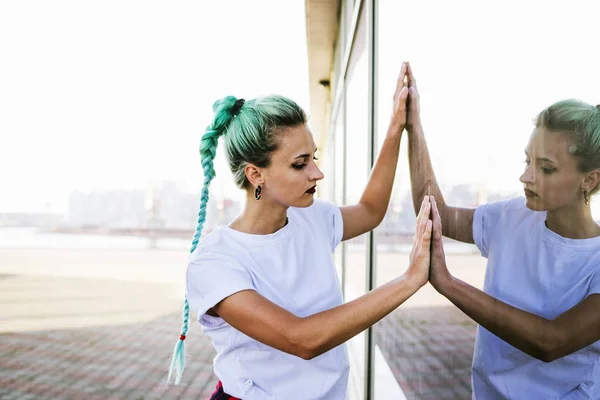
[(116, 94), (484, 71)]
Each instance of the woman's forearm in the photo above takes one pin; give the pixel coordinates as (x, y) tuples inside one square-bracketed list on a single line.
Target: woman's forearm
[(378, 191), (527, 332), (422, 177), (322, 332)]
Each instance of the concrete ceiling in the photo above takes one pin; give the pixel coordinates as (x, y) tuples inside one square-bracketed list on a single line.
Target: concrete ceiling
[(322, 19)]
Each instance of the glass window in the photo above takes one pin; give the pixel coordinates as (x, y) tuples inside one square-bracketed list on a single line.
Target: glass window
[(338, 146), (484, 72), (357, 170), (348, 12), (340, 48)]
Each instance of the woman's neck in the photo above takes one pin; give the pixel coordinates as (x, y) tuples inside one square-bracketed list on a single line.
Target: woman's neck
[(260, 217), (573, 222)]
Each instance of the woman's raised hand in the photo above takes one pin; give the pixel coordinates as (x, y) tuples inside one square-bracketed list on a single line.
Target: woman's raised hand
[(418, 270), (413, 119), (398, 122)]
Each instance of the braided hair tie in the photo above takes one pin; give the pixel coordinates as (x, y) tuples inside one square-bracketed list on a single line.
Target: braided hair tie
[(235, 110)]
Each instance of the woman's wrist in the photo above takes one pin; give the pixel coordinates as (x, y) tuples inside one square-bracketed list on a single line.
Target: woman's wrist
[(395, 131), (414, 280), (441, 282), (415, 128)]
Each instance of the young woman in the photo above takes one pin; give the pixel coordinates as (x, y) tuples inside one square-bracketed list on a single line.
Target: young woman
[(265, 288), (539, 311)]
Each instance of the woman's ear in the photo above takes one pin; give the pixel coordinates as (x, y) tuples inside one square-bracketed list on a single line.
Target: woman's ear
[(591, 180), (254, 175)]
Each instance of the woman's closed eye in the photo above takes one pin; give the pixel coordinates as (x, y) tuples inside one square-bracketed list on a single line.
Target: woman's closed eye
[(547, 170), (302, 165)]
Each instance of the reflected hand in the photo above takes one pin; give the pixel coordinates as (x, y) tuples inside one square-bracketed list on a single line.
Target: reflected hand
[(398, 122), (438, 272), (420, 255), (413, 119)]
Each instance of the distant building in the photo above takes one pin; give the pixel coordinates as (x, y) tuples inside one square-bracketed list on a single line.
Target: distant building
[(164, 205), (31, 220), (112, 209)]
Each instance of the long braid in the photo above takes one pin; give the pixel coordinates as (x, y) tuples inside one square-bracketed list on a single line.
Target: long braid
[(208, 151), (250, 139)]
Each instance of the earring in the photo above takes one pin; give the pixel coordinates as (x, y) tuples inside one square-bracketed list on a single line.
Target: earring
[(585, 197), (257, 193)]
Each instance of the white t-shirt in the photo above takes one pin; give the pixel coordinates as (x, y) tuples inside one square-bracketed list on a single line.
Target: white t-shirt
[(533, 268), (294, 269)]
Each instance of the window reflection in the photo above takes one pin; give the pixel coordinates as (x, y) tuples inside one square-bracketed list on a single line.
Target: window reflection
[(482, 80)]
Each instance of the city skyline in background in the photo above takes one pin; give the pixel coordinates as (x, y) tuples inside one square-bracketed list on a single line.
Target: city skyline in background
[(168, 205)]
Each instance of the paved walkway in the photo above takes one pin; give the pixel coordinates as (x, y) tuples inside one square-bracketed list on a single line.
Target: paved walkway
[(80, 335), (429, 351), (109, 360)]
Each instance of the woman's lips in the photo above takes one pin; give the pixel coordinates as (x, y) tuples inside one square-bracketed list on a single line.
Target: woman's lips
[(312, 190), (529, 193)]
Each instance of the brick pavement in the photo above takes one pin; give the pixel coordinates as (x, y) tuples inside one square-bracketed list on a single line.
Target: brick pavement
[(112, 362), (67, 338), (429, 351), (91, 352)]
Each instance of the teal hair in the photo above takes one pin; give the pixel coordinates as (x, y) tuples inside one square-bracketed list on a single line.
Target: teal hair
[(580, 120), (251, 135)]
